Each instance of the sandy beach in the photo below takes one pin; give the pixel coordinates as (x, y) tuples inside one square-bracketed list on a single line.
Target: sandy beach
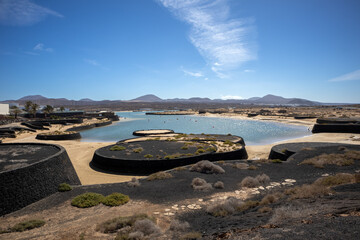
[(81, 153)]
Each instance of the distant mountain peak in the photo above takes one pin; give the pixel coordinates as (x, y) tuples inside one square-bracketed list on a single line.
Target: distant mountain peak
[(86, 100), (147, 98), (32, 98)]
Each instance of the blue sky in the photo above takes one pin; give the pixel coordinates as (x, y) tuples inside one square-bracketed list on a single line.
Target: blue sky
[(193, 48)]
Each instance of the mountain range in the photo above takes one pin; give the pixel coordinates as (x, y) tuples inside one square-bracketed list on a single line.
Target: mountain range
[(266, 100)]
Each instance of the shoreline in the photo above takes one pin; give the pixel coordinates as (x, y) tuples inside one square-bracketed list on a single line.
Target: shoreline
[(81, 153)]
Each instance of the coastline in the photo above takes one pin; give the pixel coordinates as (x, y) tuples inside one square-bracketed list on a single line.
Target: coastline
[(81, 153)]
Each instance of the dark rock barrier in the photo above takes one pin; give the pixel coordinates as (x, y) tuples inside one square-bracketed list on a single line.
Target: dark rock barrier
[(337, 120), (128, 162), (103, 124), (59, 137), (284, 151), (81, 128), (150, 132), (336, 128), (34, 126), (30, 172)]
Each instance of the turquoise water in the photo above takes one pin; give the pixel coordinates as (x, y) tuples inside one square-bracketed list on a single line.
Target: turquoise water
[(253, 132)]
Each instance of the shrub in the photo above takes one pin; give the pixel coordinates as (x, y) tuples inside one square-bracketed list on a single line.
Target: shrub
[(112, 225), (252, 167), (177, 225), (28, 225), (289, 213), (211, 149), (219, 185), (136, 235), (200, 150), (185, 147), (117, 148), (146, 226), (249, 182), (229, 206), (87, 200), (357, 177), (247, 205), (341, 159), (271, 198), (134, 183), (180, 168), (339, 178), (228, 142), (200, 184), (138, 150), (115, 199), (64, 187), (263, 179), (191, 236), (148, 156), (307, 191), (276, 161), (159, 176), (241, 165), (206, 166)]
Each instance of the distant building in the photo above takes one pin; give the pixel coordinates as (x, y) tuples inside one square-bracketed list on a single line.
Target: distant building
[(4, 109)]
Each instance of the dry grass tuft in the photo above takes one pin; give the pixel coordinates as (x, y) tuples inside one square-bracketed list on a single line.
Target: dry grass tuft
[(200, 184), (291, 213), (147, 227), (252, 167), (159, 176), (206, 167), (247, 205), (134, 183), (307, 191), (341, 159), (252, 182), (180, 226), (219, 185), (338, 179), (271, 198), (229, 206), (113, 225), (241, 165), (249, 182)]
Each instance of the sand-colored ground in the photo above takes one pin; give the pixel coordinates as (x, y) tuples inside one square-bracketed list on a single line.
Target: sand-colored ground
[(81, 153)]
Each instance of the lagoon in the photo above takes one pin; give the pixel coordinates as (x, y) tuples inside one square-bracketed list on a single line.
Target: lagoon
[(252, 131)]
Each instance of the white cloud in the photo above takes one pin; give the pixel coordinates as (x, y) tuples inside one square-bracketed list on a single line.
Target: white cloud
[(231, 97), (222, 41), (347, 77), (249, 71), (193, 74), (41, 47), (23, 12), (91, 62)]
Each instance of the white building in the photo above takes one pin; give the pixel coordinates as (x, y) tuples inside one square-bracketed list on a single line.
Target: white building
[(4, 109)]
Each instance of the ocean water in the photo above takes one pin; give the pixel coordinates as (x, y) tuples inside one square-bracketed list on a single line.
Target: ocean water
[(253, 132)]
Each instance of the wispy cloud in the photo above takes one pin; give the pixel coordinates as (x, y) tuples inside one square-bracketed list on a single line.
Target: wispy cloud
[(231, 97), (41, 47), (224, 42), (92, 62), (353, 76), (249, 71), (23, 12), (193, 74)]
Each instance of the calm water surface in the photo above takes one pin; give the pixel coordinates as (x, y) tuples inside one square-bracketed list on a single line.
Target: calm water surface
[(253, 132)]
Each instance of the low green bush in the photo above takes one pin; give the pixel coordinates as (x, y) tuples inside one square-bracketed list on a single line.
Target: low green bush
[(64, 187), (87, 200), (117, 148), (28, 225), (115, 199), (148, 156)]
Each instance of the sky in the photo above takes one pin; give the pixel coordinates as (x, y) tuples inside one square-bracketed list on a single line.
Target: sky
[(228, 49)]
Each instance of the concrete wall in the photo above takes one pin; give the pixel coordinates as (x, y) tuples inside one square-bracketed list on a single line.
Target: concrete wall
[(4, 109)]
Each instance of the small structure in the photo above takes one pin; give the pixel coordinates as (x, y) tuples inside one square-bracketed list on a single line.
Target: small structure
[(4, 109)]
